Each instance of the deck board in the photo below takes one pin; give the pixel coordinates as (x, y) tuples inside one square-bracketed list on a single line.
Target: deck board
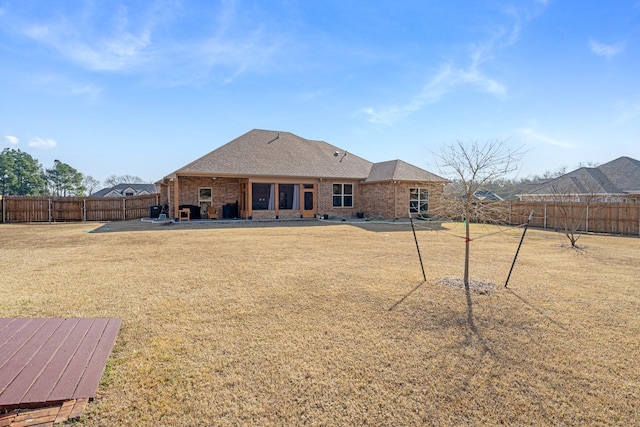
[(52, 360), (31, 353)]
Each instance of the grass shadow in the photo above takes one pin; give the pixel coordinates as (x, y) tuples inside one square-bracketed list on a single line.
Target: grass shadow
[(536, 309), (473, 329), (401, 300)]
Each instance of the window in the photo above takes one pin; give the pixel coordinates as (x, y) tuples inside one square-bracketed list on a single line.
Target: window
[(261, 197), (204, 200), (419, 200), (289, 196), (342, 195)]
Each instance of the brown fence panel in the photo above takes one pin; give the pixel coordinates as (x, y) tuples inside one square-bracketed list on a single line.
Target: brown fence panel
[(600, 217), (103, 209), (66, 209), (26, 209), (138, 206)]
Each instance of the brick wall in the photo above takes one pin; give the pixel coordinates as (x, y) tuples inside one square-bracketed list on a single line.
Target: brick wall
[(223, 191), (271, 214), (389, 200), (376, 200), (325, 199)]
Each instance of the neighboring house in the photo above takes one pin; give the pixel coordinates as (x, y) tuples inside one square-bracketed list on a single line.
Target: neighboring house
[(278, 175), (616, 181), (127, 190), (486, 195)]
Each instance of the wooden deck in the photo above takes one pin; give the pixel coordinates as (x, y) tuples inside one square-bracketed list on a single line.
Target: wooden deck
[(44, 362)]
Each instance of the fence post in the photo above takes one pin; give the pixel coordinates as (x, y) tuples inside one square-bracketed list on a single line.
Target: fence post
[(545, 217), (50, 210), (124, 209), (587, 219), (510, 207), (84, 210)]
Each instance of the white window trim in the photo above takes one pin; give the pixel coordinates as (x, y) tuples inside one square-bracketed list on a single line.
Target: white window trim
[(420, 201), (343, 195)]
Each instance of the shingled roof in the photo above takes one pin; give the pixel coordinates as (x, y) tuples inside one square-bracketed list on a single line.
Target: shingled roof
[(619, 176), (121, 190), (397, 170), (272, 153)]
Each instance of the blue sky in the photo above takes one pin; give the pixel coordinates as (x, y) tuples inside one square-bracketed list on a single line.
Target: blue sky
[(144, 87)]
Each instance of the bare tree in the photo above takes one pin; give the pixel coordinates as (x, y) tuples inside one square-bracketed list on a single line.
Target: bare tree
[(572, 204), (472, 166), (90, 183), (114, 180)]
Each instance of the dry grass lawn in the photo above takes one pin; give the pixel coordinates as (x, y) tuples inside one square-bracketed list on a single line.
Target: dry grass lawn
[(291, 325)]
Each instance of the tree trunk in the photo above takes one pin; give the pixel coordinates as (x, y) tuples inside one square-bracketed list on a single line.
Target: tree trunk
[(466, 253)]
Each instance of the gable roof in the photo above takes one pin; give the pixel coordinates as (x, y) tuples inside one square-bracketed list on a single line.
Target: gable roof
[(486, 195), (119, 190), (397, 170), (619, 176), (272, 153), (623, 173)]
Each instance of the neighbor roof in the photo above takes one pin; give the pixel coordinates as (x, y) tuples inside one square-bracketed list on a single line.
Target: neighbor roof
[(619, 176), (119, 189), (397, 170)]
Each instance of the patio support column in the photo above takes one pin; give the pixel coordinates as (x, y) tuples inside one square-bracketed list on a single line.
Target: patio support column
[(276, 201), (176, 198), (249, 199)]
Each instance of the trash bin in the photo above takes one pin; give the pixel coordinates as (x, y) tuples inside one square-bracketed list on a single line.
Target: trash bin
[(230, 210), (154, 211)]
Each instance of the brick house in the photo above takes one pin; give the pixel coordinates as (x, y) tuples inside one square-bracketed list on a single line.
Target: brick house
[(278, 175)]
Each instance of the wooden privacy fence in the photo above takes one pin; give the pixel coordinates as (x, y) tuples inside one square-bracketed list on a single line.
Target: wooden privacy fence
[(60, 209), (599, 217)]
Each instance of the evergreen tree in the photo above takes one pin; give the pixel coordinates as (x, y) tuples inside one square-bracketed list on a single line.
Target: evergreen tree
[(20, 174), (63, 180)]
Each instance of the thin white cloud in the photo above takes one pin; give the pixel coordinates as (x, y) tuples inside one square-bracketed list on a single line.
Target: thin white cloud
[(531, 137), (629, 112), (60, 84), (446, 80), (38, 142), (449, 78), (11, 140), (606, 50), (120, 50), (134, 40)]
